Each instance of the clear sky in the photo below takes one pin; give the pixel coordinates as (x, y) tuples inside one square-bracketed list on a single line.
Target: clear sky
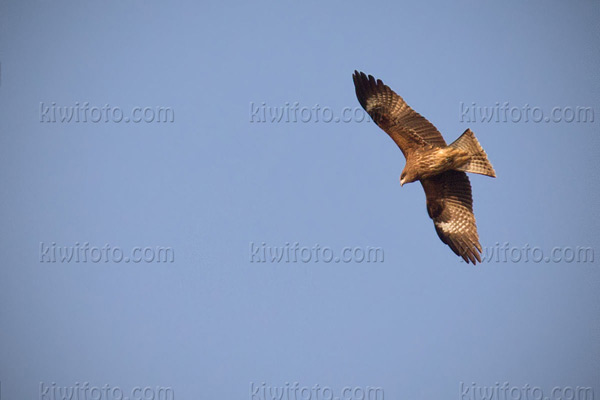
[(213, 184)]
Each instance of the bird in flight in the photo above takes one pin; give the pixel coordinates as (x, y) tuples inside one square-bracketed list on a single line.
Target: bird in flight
[(441, 168)]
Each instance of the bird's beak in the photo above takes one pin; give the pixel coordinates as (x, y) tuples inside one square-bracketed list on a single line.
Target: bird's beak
[(401, 182)]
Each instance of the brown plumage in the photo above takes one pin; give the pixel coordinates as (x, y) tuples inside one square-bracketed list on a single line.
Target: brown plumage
[(440, 168)]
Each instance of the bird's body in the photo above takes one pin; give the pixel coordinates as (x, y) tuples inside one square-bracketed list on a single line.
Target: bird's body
[(440, 167), (433, 161)]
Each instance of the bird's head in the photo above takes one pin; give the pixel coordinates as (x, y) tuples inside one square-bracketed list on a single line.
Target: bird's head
[(407, 177)]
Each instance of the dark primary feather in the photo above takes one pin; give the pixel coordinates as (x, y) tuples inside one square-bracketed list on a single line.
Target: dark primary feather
[(404, 125)]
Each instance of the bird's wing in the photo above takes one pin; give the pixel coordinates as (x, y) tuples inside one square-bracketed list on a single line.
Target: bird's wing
[(450, 205), (391, 113)]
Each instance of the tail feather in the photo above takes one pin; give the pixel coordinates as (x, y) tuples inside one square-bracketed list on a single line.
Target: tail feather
[(478, 163)]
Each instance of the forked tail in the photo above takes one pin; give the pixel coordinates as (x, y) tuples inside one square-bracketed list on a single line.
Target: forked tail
[(478, 163)]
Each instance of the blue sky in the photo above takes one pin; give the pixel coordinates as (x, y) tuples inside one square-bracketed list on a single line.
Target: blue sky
[(211, 183)]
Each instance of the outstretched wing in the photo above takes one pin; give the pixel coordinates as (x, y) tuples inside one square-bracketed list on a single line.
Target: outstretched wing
[(391, 113), (450, 205)]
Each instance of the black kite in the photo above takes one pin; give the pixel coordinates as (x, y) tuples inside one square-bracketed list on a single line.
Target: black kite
[(440, 168)]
